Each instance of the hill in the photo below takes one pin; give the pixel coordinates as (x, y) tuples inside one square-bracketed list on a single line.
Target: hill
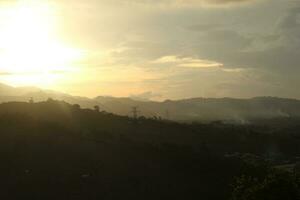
[(229, 110), (209, 109), (55, 150)]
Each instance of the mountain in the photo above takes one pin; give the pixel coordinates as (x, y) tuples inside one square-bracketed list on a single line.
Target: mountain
[(6, 90), (24, 94), (230, 110), (208, 109)]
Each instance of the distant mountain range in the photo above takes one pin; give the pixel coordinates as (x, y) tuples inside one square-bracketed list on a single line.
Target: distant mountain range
[(195, 109)]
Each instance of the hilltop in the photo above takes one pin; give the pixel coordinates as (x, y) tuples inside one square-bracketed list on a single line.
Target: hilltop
[(93, 124), (230, 110)]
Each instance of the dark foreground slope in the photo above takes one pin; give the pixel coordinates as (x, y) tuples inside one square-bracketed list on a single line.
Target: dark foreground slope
[(53, 150)]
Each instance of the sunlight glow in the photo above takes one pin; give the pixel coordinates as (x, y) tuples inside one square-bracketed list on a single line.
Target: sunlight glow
[(30, 51)]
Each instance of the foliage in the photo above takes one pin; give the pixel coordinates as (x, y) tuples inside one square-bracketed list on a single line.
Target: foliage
[(54, 150), (276, 185)]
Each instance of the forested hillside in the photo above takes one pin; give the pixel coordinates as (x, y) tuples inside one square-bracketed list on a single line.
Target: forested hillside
[(55, 150)]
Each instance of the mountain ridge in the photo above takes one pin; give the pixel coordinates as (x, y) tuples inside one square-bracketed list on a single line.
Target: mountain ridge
[(189, 109)]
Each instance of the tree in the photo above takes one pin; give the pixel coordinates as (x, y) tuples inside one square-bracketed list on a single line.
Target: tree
[(277, 185), (50, 99), (97, 108), (76, 106)]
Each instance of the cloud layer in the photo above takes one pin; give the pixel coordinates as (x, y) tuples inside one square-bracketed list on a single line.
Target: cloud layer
[(184, 2), (239, 51), (179, 50)]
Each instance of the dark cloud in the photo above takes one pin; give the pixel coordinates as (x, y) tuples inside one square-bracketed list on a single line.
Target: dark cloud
[(281, 47), (290, 20)]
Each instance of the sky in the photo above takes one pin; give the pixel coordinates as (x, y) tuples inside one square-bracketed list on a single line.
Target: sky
[(153, 49)]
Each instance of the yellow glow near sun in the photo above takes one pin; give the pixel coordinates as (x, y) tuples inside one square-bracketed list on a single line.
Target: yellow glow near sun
[(30, 51)]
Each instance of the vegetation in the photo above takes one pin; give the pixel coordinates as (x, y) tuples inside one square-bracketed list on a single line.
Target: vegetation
[(272, 186), (54, 150)]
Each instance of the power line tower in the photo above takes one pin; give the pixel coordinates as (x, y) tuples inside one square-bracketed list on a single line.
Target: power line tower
[(31, 100), (135, 111), (97, 108), (167, 114)]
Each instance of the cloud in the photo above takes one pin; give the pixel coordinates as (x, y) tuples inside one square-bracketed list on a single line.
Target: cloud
[(226, 1), (164, 48), (4, 73), (290, 20), (9, 73), (145, 96), (176, 3), (186, 2), (187, 62), (202, 27), (277, 49)]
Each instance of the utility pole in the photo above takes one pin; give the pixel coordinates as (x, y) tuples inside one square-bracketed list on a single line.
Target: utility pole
[(135, 112), (167, 114), (31, 100)]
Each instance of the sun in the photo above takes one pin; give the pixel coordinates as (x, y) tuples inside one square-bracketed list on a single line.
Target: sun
[(30, 49)]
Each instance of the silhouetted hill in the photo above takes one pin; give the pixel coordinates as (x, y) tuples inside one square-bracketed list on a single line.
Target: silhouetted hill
[(6, 90), (208, 109), (56, 150), (196, 109), (154, 130)]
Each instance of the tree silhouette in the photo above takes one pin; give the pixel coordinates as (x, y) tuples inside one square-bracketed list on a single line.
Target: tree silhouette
[(276, 185), (97, 108)]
